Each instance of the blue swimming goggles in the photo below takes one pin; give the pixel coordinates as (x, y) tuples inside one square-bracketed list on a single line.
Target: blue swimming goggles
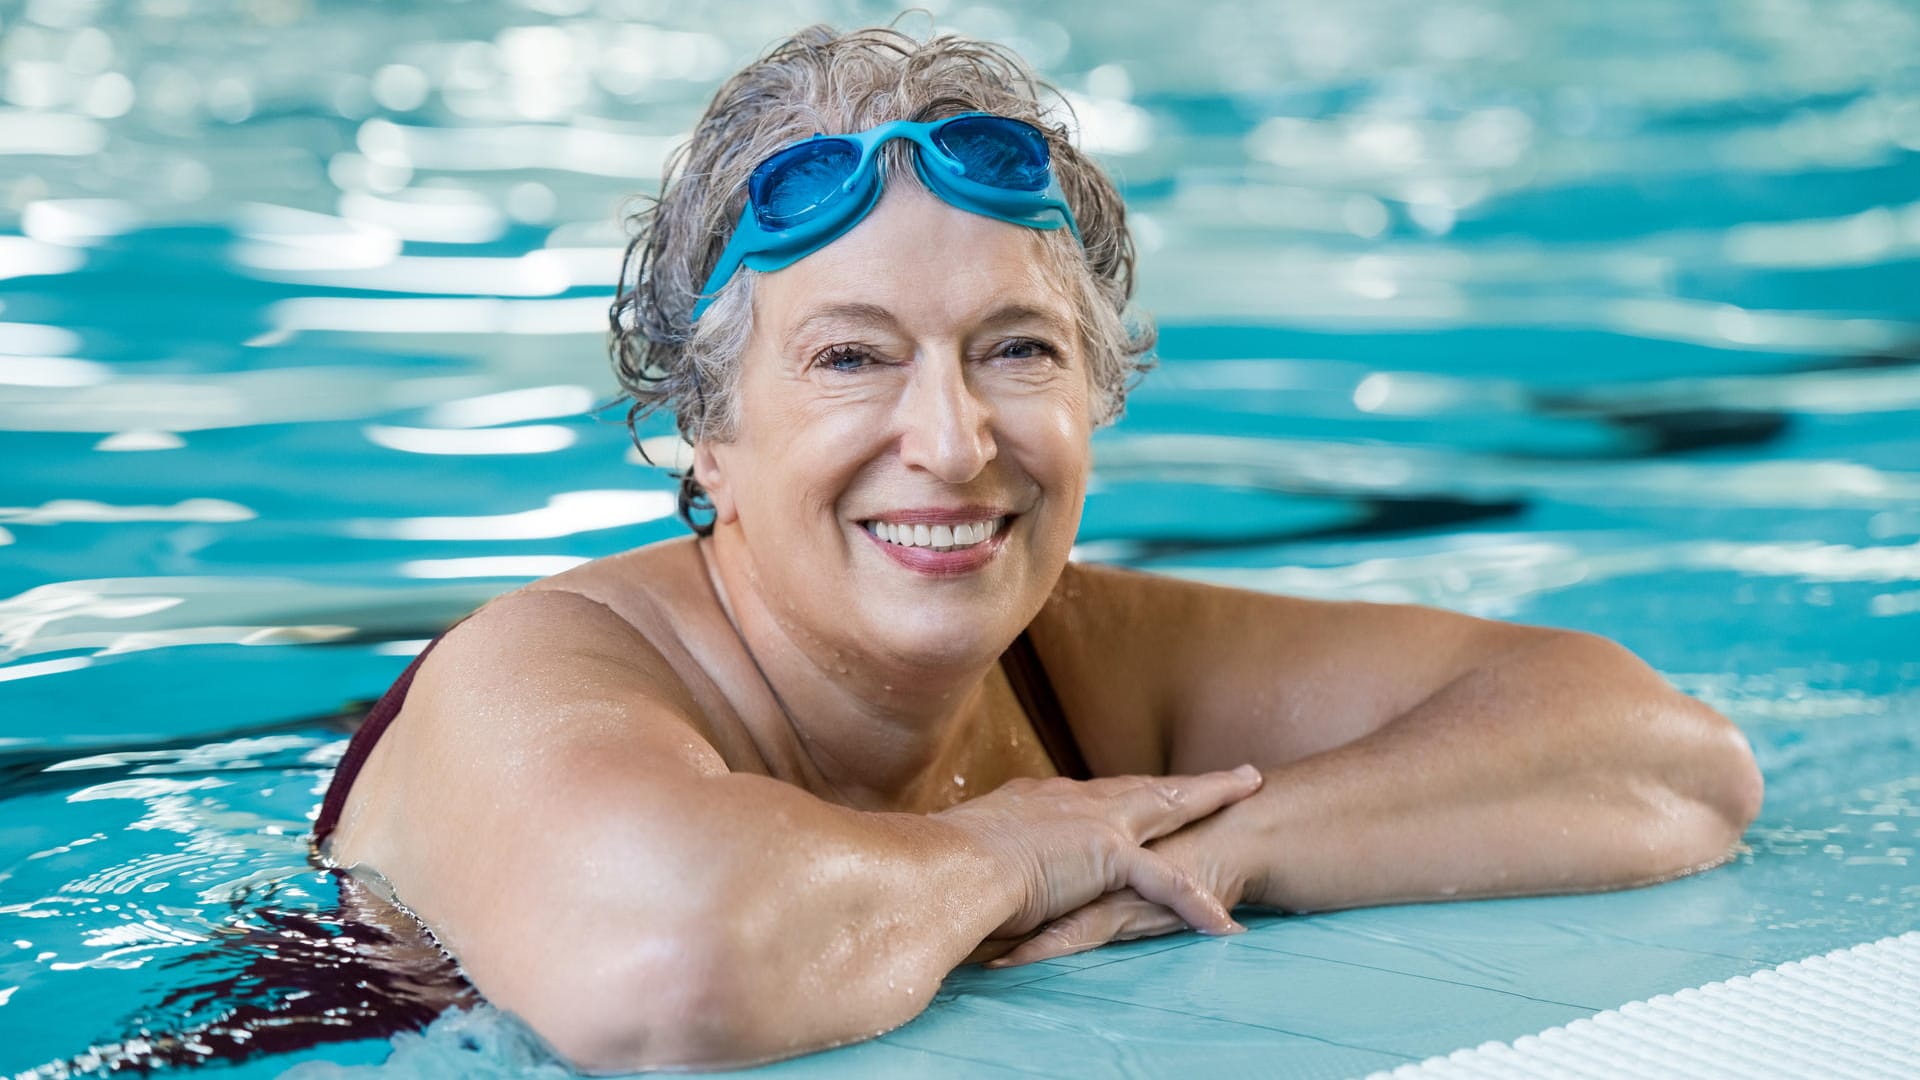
[(808, 194)]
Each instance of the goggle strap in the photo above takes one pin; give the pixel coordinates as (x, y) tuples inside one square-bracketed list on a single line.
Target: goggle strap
[(728, 265)]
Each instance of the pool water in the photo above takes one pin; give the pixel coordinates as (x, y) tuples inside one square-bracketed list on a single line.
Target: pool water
[(1596, 316)]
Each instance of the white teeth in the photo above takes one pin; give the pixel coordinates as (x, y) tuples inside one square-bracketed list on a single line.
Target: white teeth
[(937, 537)]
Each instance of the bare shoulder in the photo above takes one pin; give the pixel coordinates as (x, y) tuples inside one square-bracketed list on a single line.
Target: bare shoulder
[(1184, 609), (532, 679), (550, 647), (656, 590), (1193, 663), (1093, 636), (547, 754), (599, 656)]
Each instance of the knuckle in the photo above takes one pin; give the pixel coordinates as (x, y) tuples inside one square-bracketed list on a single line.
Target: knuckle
[(1048, 785), (1171, 874)]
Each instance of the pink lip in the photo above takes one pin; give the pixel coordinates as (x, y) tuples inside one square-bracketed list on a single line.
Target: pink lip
[(940, 563), (933, 515)]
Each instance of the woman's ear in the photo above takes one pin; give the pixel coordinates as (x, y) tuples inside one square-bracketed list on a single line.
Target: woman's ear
[(712, 477)]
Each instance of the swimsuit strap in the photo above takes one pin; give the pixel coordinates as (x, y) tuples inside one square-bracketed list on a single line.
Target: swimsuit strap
[(1035, 691), (364, 737)]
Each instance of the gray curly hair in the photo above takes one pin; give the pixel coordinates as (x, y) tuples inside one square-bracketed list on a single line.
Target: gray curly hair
[(822, 80)]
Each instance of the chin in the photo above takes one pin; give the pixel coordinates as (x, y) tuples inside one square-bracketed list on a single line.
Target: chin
[(930, 638), (941, 621)]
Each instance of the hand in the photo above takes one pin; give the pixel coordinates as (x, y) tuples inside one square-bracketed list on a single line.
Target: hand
[(1070, 842), (1202, 850)]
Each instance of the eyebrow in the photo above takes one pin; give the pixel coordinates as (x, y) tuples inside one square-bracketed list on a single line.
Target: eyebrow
[(877, 315)]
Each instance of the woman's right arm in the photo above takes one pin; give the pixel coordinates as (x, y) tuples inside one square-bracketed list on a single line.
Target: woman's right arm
[(596, 869)]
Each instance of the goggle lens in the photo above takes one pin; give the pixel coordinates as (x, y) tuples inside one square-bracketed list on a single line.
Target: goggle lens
[(997, 151), (806, 195), (790, 185)]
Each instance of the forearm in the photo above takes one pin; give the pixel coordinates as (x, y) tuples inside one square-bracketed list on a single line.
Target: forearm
[(758, 922), (734, 919), (792, 924), (1564, 765)]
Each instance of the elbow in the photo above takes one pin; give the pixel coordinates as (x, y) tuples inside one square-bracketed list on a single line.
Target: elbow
[(1746, 787), (719, 975), (1713, 784), (731, 989), (1701, 787), (676, 1005), (1732, 788)]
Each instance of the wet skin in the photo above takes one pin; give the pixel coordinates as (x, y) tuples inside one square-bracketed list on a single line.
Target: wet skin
[(713, 801)]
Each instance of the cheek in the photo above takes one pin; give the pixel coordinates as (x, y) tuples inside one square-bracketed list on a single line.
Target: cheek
[(803, 457), (1052, 433)]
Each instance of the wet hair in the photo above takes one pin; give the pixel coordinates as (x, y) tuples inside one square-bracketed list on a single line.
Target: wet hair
[(824, 80)]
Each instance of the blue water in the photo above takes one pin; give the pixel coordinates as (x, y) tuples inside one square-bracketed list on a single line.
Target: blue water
[(1597, 316)]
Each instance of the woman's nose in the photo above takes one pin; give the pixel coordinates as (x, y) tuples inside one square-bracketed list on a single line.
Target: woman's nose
[(947, 427)]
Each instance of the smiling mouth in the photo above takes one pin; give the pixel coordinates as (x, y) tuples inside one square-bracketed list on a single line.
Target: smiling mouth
[(937, 537)]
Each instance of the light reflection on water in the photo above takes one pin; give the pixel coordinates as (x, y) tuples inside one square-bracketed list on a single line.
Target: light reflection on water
[(1546, 312)]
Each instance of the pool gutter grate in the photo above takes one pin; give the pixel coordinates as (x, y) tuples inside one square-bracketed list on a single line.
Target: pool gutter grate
[(1852, 1012)]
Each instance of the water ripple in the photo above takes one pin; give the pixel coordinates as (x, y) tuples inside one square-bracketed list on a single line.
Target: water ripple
[(1555, 312)]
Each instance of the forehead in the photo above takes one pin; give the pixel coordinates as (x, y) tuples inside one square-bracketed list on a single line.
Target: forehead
[(918, 263)]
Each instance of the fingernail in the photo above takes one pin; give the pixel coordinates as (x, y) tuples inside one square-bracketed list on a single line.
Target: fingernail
[(1237, 928), (1247, 771)]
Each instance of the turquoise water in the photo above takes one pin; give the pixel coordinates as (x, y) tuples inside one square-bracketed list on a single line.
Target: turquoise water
[(1598, 316)]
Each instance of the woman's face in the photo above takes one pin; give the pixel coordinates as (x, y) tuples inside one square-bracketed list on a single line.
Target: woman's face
[(921, 373)]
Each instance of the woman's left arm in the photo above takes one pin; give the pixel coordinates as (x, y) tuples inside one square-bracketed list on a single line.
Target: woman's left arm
[(1410, 753)]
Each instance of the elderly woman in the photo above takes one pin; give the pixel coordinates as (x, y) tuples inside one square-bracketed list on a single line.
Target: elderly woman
[(756, 791)]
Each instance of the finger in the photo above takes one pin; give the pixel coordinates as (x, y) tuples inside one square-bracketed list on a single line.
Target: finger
[(1120, 916), (1166, 803), (1088, 928), (990, 950), (1159, 879)]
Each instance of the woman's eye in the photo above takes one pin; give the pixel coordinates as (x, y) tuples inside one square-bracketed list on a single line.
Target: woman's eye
[(844, 358), (1025, 349)]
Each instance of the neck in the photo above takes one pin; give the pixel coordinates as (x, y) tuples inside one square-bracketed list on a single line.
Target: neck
[(871, 730)]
